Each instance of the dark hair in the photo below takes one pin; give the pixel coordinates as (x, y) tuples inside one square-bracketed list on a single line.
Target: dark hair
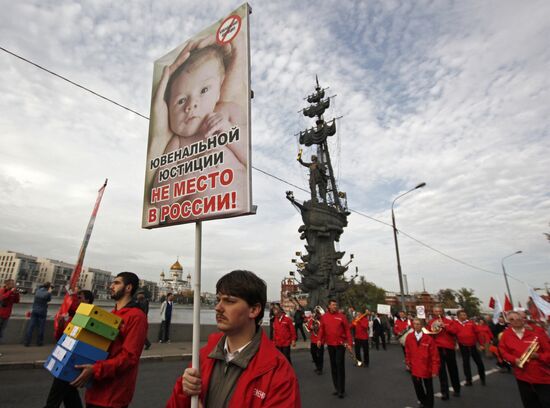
[(130, 278), (88, 295), (46, 285), (168, 294), (247, 286), (461, 311), (196, 58), (332, 301)]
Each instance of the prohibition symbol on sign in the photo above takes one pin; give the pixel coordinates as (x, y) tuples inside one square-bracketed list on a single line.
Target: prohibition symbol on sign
[(228, 29)]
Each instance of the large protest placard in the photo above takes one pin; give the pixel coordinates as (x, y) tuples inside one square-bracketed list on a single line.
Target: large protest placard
[(198, 153), (383, 309)]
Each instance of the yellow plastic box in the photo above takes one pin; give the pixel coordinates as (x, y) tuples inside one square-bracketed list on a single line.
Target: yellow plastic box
[(87, 337), (100, 314)]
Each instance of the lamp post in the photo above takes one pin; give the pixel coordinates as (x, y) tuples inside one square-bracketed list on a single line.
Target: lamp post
[(506, 276), (397, 246)]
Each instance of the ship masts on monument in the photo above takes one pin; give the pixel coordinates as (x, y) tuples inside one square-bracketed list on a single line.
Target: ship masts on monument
[(324, 215)]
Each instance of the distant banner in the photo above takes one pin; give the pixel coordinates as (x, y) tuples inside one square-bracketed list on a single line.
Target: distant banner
[(198, 154), (383, 309)]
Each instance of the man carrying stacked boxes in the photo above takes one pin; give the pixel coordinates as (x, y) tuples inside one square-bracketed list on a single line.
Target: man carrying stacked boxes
[(104, 347)]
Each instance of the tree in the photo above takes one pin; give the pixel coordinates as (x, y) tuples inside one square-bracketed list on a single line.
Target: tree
[(447, 298), (363, 294), (467, 301)]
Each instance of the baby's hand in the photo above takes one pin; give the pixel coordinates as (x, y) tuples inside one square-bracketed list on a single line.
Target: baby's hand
[(214, 123)]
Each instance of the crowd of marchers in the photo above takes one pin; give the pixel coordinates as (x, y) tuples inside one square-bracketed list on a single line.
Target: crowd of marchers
[(243, 366)]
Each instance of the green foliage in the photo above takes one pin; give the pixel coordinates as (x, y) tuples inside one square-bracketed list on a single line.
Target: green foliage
[(447, 298), (363, 294), (467, 301)]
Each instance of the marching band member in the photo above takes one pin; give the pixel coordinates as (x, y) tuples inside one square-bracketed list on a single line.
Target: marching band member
[(317, 353), (422, 359), (335, 332), (361, 325), (533, 374), (468, 336), (485, 336), (445, 330), (284, 333), (400, 326)]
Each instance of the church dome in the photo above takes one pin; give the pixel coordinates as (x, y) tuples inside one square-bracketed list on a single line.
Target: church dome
[(176, 266)]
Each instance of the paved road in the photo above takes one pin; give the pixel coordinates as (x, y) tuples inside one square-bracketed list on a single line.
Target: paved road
[(385, 384)]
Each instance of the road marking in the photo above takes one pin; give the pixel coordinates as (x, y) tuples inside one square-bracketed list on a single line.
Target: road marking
[(474, 378)]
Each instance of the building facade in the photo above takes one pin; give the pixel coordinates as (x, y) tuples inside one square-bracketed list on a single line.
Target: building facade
[(23, 269), (174, 282)]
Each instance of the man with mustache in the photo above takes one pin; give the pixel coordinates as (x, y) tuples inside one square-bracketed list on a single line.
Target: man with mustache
[(239, 367), (114, 379)]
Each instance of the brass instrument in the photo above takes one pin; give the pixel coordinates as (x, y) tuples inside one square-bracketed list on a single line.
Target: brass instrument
[(316, 323), (358, 318), (355, 360), (526, 356), (437, 326)]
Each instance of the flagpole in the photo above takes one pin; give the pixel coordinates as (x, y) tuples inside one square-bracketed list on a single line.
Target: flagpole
[(195, 363)]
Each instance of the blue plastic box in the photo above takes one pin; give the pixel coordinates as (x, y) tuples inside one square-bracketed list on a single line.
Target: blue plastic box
[(81, 348), (65, 370)]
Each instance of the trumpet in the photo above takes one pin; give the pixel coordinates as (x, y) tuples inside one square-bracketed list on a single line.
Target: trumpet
[(528, 353), (358, 318)]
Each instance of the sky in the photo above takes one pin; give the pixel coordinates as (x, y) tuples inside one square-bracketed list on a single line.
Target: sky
[(455, 94)]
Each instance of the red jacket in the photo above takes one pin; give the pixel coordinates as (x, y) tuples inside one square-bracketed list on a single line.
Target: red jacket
[(314, 337), (335, 330), (284, 332), (362, 329), (536, 371), (485, 334), (268, 380), (7, 299), (421, 356), (445, 338), (399, 326), (467, 333), (115, 378)]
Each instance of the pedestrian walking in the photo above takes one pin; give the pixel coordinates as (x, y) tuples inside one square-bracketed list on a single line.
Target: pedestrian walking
[(533, 374), (62, 391), (444, 330), (114, 379), (143, 303), (378, 331), (39, 313), (299, 322), (239, 367), (361, 337), (284, 334), (335, 333), (8, 297), (166, 309), (422, 360), (317, 352), (468, 336)]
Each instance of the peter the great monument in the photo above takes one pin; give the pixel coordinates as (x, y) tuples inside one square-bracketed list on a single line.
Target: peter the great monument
[(325, 214)]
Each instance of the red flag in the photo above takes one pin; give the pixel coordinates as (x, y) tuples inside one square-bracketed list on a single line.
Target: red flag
[(508, 307), (492, 303), (533, 310), (69, 302)]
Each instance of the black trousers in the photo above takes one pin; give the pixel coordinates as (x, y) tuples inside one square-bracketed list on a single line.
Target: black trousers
[(338, 367), (377, 337), (361, 344), (97, 406), (164, 331), (63, 392), (318, 355), (466, 352), (300, 329), (424, 389), (534, 395), (286, 352), (447, 358)]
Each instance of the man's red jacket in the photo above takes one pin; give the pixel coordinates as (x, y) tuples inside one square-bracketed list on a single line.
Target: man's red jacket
[(362, 329), (511, 347), (399, 326), (335, 330), (114, 379), (268, 380), (7, 299), (445, 338), (284, 332), (313, 337), (485, 334), (467, 333), (421, 356)]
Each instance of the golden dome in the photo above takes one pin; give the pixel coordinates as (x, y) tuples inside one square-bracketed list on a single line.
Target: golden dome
[(176, 266)]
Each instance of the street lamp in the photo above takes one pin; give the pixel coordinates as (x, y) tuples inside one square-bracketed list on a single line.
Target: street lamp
[(397, 246), (506, 277)]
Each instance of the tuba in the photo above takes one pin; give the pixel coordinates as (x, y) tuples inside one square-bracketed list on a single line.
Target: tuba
[(526, 356), (436, 328)]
